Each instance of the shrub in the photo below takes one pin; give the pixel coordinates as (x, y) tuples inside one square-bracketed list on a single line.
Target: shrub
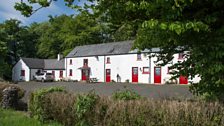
[(36, 102), (126, 95), (84, 107), (59, 106), (91, 109), (21, 92)]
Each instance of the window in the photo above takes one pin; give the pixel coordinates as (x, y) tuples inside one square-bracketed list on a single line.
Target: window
[(61, 74), (70, 61), (70, 72), (145, 70), (181, 56), (22, 73), (139, 57), (53, 73), (85, 62), (108, 59)]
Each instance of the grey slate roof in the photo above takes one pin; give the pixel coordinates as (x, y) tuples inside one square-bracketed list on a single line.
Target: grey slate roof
[(34, 63), (102, 49), (48, 64)]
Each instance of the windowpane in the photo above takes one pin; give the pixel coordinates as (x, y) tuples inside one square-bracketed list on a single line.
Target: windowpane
[(70, 72), (139, 56), (61, 73), (145, 70), (158, 71), (108, 59), (22, 73), (85, 62), (70, 61)]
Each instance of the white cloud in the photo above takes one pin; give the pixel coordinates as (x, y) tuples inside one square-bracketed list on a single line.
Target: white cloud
[(7, 11)]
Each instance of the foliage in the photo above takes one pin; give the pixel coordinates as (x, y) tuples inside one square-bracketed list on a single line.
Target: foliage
[(103, 111), (21, 92), (193, 27), (16, 118), (35, 105), (84, 106), (60, 106), (61, 34), (15, 41), (126, 95)]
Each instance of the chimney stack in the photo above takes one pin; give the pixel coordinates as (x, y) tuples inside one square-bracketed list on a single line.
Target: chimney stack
[(59, 57)]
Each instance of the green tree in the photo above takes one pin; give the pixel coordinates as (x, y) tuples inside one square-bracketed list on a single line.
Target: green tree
[(195, 26), (15, 41), (62, 33), (177, 26)]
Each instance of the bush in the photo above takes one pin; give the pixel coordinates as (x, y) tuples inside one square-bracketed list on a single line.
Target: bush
[(21, 92), (90, 109), (36, 102), (59, 106), (84, 107), (126, 95)]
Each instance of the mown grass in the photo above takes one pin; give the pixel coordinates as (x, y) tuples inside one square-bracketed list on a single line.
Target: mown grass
[(16, 118)]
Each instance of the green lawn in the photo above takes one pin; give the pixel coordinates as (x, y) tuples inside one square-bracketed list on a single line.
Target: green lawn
[(15, 118)]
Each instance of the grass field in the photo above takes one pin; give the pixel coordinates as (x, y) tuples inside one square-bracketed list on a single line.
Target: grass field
[(15, 118)]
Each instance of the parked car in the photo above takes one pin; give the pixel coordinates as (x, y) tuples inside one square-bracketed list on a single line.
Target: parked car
[(44, 77)]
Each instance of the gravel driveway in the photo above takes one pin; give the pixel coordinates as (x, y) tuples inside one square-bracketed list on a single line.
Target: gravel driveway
[(146, 90)]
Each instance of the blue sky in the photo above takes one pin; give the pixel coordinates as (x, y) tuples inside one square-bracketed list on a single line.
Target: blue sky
[(7, 11)]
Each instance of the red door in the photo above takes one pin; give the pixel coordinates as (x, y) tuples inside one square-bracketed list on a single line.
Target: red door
[(134, 74), (183, 80), (157, 75), (85, 74), (61, 74), (108, 75)]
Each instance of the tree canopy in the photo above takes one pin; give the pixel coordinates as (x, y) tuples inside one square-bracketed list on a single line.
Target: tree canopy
[(192, 26)]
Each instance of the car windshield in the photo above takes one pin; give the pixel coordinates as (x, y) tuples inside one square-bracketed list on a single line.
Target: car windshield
[(49, 74)]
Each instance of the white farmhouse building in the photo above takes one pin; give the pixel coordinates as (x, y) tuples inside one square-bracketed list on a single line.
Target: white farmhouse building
[(26, 68), (117, 62), (106, 62)]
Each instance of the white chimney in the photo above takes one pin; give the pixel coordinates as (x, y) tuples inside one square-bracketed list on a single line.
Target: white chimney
[(59, 57)]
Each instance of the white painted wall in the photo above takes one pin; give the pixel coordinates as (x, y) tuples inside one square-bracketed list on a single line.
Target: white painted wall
[(96, 65), (57, 74), (122, 65), (165, 75), (16, 71)]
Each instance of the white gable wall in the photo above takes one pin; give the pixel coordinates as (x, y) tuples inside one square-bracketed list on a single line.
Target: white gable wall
[(16, 71)]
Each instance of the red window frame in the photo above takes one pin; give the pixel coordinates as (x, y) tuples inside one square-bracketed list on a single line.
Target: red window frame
[(61, 74), (70, 72), (53, 73), (139, 56), (180, 55), (144, 71), (22, 73), (70, 62), (85, 62), (108, 60)]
